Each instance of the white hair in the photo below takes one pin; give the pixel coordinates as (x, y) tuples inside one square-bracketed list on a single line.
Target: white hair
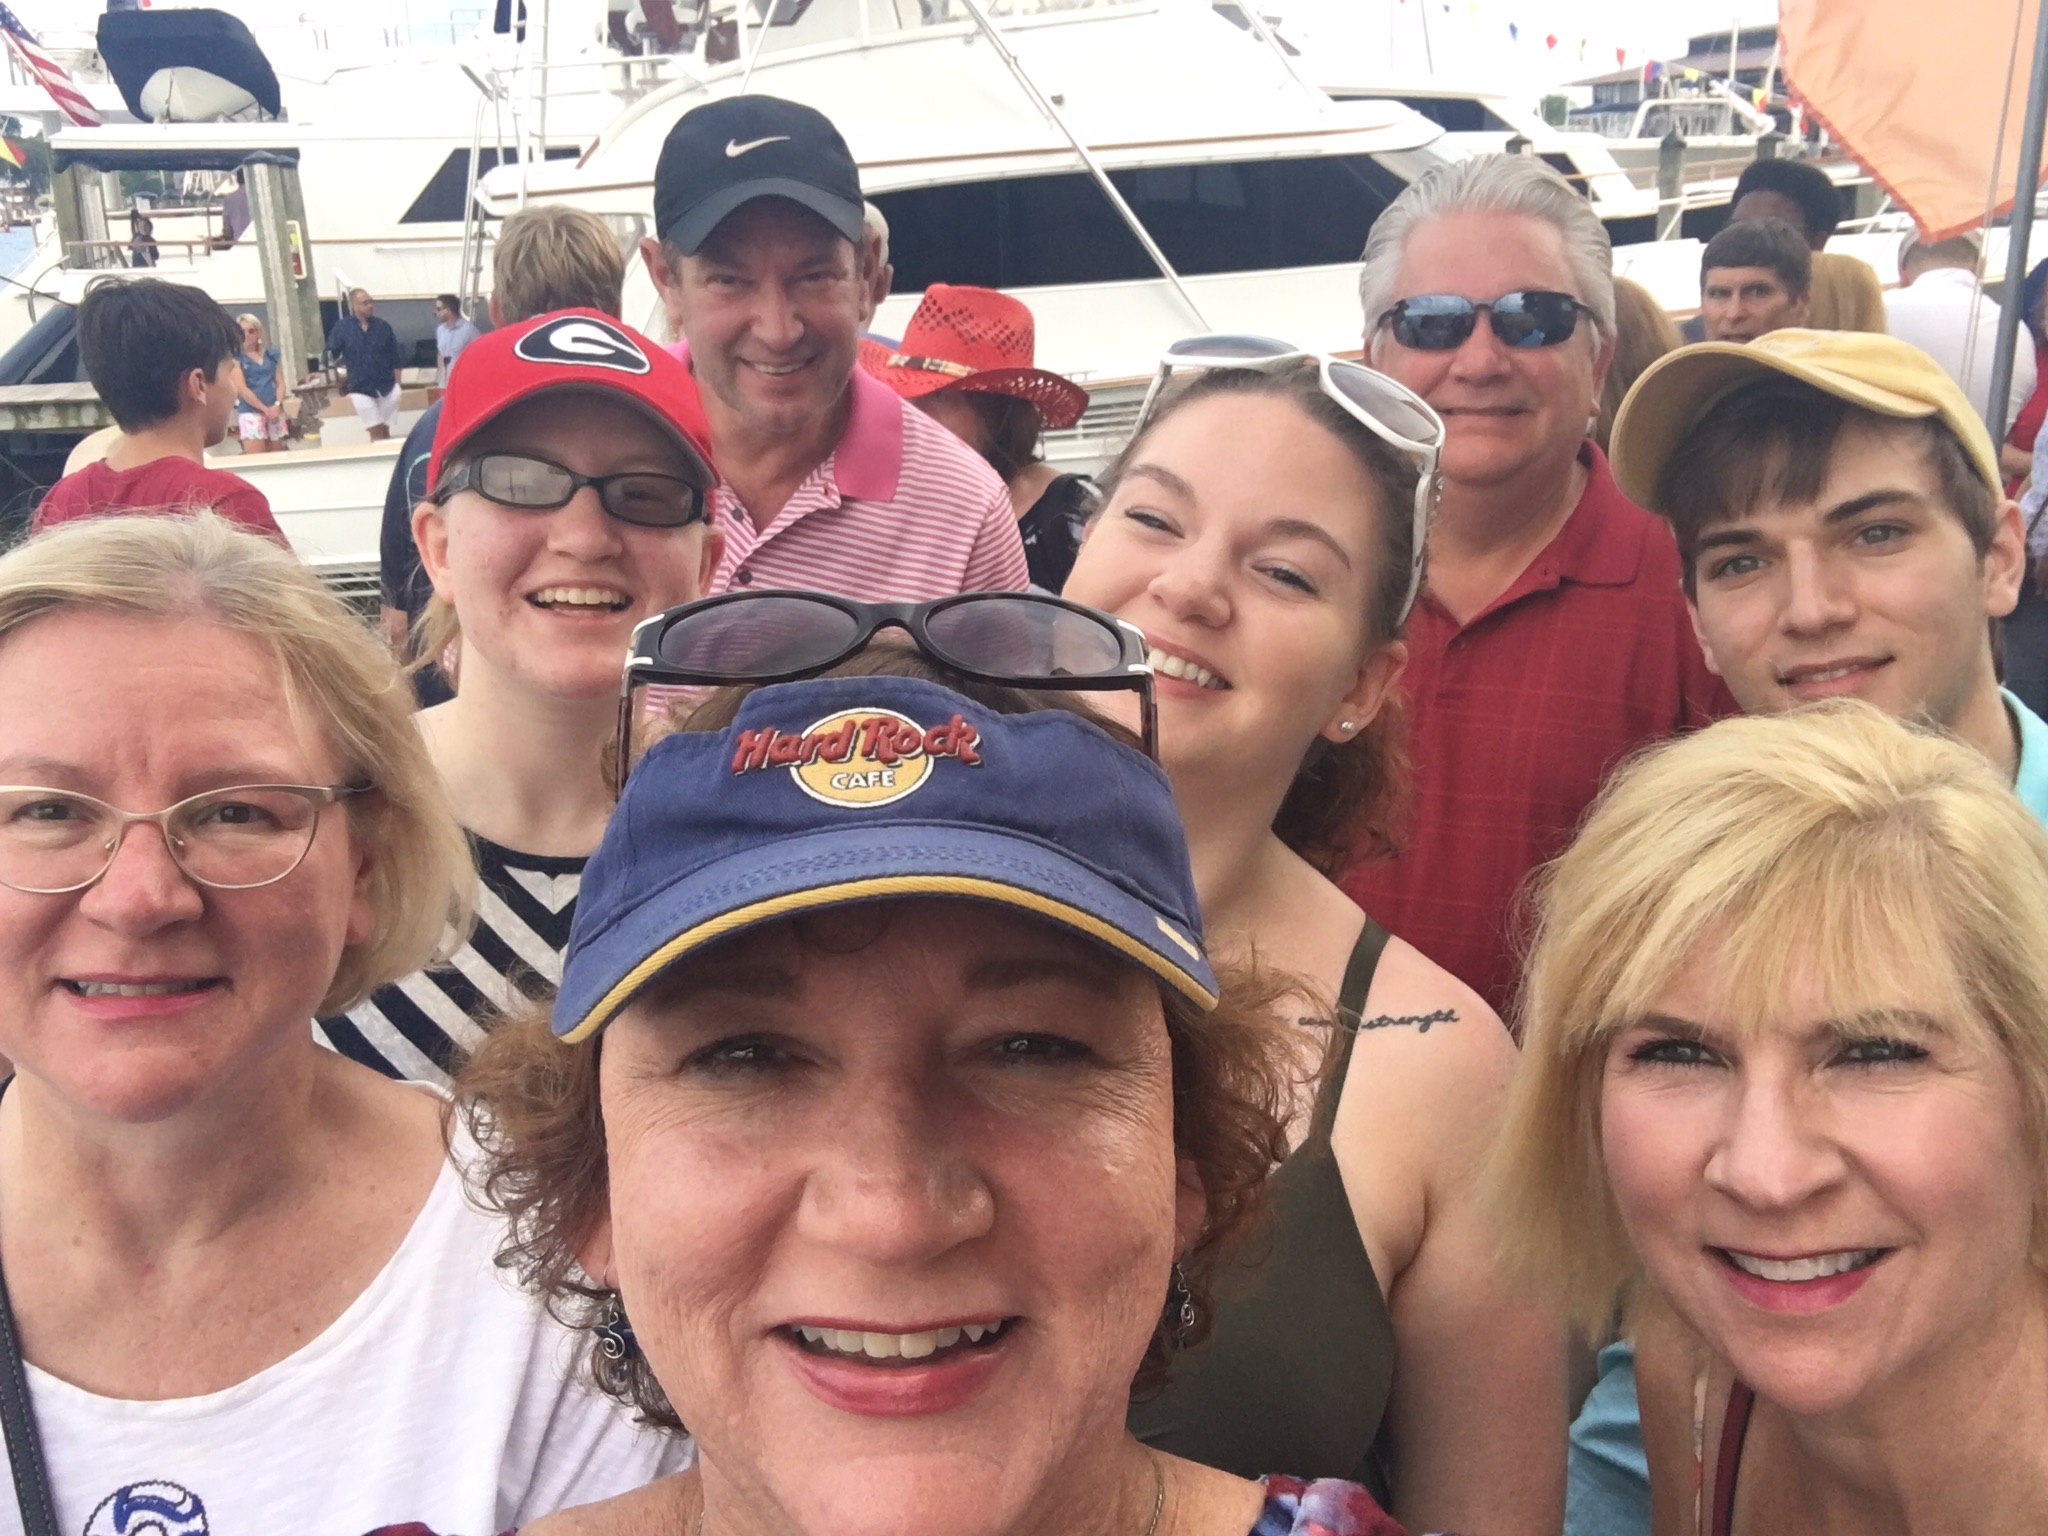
[(1510, 184), (876, 227)]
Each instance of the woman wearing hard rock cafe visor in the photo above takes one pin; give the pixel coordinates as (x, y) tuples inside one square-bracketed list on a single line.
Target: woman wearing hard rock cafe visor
[(890, 1102)]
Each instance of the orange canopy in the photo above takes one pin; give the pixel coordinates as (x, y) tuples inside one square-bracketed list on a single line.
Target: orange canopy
[(1919, 94)]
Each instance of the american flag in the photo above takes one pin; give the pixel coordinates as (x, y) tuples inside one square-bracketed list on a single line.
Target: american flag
[(47, 71)]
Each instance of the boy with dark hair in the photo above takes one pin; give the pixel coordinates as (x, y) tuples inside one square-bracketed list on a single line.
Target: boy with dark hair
[(159, 355), (1755, 277)]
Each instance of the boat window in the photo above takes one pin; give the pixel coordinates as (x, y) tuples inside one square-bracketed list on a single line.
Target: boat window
[(1453, 114), (1233, 216), (440, 200)]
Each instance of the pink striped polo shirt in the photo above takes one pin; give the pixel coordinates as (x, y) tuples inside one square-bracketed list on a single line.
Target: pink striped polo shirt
[(900, 510)]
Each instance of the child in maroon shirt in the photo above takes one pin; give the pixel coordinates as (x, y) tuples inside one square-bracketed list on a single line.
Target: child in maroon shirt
[(157, 353)]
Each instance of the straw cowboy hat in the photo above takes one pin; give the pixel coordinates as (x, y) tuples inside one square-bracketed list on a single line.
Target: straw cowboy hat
[(980, 341)]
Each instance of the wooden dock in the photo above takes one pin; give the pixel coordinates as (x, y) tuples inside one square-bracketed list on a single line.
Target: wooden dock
[(52, 408)]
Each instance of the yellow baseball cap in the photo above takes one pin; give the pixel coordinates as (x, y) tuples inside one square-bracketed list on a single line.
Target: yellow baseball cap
[(1879, 373)]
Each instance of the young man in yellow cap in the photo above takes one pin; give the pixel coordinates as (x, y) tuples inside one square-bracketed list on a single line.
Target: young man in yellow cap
[(1840, 517)]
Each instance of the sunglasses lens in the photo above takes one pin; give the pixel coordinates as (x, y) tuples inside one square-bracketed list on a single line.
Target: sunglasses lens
[(513, 480), (1248, 349), (1434, 322), (1391, 407), (763, 637), (1021, 638), (1534, 318), (653, 501)]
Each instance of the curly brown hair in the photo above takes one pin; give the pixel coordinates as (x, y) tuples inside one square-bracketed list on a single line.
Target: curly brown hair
[(532, 1104), (1342, 800)]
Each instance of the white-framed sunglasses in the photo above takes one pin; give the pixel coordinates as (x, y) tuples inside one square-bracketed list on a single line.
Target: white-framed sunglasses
[(1391, 412)]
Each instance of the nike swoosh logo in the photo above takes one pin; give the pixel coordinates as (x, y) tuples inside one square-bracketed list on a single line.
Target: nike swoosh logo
[(734, 149)]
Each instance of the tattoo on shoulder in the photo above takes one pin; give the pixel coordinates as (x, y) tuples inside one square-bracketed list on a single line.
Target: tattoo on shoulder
[(1419, 1022)]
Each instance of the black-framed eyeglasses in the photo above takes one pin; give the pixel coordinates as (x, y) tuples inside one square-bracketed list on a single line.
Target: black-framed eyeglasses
[(1015, 639), (1391, 411), (55, 841), (1443, 322), (532, 484)]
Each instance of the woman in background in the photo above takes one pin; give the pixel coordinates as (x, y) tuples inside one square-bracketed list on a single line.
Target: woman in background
[(259, 392), (966, 361), (1643, 333)]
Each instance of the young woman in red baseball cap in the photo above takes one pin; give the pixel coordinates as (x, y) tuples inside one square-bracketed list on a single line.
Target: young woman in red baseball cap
[(568, 501)]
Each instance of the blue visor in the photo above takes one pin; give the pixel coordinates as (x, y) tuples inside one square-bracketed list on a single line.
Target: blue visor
[(850, 789)]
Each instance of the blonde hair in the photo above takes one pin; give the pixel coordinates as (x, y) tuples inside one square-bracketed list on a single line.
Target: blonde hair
[(1845, 295), (1886, 863), (248, 319), (1643, 332), (337, 675), (554, 257)]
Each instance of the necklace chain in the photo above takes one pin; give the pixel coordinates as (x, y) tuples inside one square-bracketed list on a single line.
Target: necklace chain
[(1151, 1526)]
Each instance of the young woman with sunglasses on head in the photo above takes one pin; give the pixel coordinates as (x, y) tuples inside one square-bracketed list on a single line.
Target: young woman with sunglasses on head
[(1263, 529), (568, 503)]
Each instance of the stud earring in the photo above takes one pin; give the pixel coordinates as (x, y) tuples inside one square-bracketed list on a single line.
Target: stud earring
[(1347, 726)]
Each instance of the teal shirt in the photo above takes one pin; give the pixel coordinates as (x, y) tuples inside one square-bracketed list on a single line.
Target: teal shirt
[(2031, 782)]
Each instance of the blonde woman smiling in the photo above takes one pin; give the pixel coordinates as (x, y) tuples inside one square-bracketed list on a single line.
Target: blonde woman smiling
[(1784, 1087)]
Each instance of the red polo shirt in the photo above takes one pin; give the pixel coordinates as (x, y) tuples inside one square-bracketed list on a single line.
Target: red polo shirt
[(1517, 716)]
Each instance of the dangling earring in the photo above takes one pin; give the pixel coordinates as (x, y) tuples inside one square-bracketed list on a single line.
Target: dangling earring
[(613, 1333), (1182, 1303)]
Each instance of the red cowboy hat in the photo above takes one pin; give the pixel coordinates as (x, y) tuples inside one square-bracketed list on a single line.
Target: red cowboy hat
[(981, 341)]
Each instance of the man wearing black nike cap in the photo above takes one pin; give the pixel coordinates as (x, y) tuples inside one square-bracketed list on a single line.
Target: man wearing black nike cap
[(828, 481)]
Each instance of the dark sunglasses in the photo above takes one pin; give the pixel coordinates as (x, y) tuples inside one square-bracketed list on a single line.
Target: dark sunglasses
[(1016, 639), (1443, 322), (537, 485)]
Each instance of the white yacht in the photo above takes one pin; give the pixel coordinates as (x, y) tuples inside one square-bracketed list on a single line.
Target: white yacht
[(1134, 170), (384, 137)]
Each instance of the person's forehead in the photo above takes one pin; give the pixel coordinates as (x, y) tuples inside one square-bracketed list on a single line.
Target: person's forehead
[(1741, 277), (1871, 455), (1480, 255), (950, 941), (772, 229), (607, 425)]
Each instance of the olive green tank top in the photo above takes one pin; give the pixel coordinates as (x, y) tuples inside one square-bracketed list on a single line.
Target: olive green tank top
[(1294, 1376)]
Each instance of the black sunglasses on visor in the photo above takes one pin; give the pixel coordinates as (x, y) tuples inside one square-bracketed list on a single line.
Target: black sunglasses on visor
[(1443, 322), (530, 484), (1015, 639), (1392, 412)]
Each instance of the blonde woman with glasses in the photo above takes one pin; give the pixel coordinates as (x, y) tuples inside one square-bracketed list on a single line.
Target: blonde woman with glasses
[(248, 1288), (1782, 1103)]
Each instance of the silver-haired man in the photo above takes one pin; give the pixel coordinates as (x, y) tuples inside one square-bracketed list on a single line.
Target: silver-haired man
[(1552, 638)]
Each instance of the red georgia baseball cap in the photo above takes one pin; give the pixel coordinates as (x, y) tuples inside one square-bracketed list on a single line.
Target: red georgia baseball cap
[(581, 349)]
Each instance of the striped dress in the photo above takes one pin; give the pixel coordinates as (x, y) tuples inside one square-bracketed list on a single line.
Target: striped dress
[(419, 1028)]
